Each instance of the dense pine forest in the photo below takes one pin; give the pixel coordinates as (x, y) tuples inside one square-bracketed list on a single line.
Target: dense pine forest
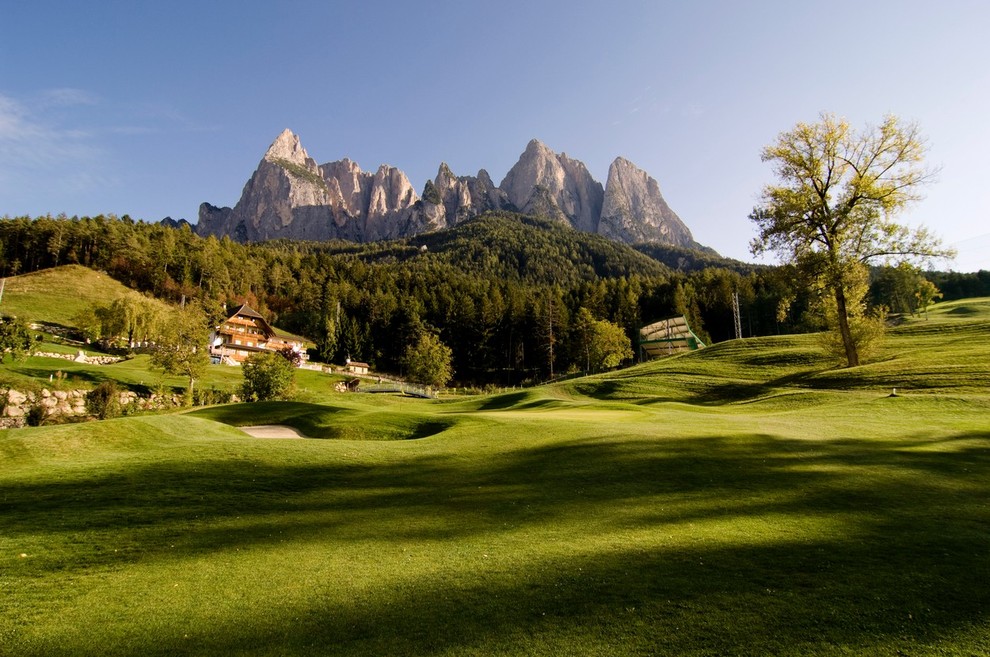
[(503, 291)]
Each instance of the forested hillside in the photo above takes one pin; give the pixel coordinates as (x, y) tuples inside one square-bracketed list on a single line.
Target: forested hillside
[(503, 290)]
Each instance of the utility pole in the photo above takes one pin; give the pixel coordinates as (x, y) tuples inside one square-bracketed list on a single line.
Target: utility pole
[(550, 324), (735, 314)]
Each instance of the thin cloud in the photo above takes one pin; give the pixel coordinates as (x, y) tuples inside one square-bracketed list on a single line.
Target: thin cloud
[(68, 148), (63, 145), (31, 139), (68, 97), (972, 253), (46, 154), (14, 125), (132, 130)]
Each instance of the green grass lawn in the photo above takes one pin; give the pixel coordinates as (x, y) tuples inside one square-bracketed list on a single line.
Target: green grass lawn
[(134, 374), (59, 294), (749, 499), (139, 375)]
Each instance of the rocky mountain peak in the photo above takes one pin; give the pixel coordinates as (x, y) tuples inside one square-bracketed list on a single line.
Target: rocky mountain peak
[(287, 147), (537, 146), (290, 196), (445, 178), (537, 166), (634, 210), (390, 190), (542, 182)]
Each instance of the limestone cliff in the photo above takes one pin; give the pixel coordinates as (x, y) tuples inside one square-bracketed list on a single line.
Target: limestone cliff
[(291, 196), (556, 186), (286, 186), (635, 211)]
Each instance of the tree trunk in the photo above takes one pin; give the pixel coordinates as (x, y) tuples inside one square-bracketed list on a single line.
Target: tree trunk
[(852, 356)]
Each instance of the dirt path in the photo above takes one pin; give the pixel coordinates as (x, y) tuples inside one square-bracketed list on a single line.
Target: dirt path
[(271, 431)]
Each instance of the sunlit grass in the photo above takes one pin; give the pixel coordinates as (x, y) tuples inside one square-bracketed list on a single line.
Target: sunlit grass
[(59, 294)]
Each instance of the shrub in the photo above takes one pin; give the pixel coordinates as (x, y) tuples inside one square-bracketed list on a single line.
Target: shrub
[(213, 395), (267, 376), (36, 415), (103, 401), (291, 355), (15, 338)]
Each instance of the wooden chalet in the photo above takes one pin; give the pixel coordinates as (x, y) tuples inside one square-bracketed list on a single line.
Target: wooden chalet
[(246, 332)]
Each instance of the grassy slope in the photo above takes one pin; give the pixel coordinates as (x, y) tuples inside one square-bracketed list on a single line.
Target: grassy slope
[(58, 295), (717, 503)]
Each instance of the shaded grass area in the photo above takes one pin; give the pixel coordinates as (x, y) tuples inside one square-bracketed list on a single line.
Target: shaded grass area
[(341, 422), (537, 531)]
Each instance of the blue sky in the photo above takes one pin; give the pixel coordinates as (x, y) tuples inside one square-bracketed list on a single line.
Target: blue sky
[(149, 109)]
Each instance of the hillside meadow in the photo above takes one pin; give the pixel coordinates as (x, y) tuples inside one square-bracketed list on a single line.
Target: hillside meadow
[(60, 294), (748, 499), (57, 296)]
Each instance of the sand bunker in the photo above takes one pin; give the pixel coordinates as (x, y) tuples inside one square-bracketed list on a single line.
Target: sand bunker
[(271, 431)]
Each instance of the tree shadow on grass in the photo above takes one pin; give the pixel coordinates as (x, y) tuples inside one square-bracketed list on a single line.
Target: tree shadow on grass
[(42, 373), (749, 545), (430, 428), (322, 421), (505, 401)]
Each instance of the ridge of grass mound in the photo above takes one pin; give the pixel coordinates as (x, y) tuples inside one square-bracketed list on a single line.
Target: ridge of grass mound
[(79, 445), (949, 351), (529, 398), (345, 421), (971, 308)]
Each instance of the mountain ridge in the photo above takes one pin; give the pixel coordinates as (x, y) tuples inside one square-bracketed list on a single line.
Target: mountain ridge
[(291, 196)]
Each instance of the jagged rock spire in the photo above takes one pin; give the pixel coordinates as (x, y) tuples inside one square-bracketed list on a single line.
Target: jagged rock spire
[(287, 147), (291, 196), (634, 210)]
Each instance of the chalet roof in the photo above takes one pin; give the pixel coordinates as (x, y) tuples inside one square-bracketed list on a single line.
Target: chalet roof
[(247, 311)]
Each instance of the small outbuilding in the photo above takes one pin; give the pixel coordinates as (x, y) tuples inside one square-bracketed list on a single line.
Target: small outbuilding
[(354, 367), (667, 337)]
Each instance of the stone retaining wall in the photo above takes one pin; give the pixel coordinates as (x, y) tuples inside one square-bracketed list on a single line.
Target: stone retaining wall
[(71, 403), (81, 357)]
